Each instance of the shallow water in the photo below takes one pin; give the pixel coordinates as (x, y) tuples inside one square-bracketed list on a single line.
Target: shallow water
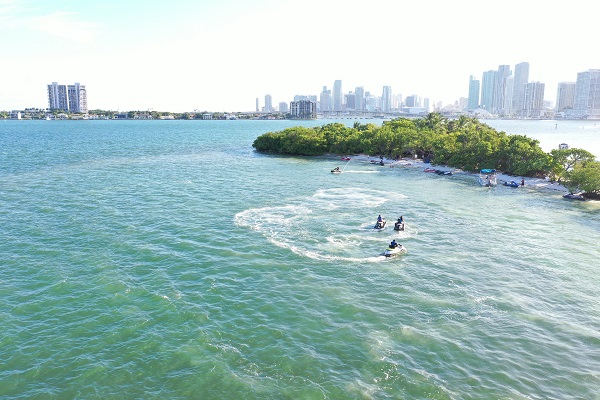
[(167, 259)]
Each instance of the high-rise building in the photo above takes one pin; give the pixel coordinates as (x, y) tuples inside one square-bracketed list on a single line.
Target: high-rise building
[(72, 98), (303, 109), (508, 96), (473, 93), (337, 96), (268, 103), (57, 97), (283, 107), (350, 101), (587, 94), (565, 96), (257, 105), (487, 90), (386, 99), (325, 100), (500, 88), (359, 98), (533, 100), (521, 77)]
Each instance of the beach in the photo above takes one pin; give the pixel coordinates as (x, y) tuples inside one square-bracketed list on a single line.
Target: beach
[(417, 163)]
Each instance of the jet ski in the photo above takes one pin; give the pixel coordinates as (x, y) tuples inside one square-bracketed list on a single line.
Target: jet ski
[(379, 225), (395, 251)]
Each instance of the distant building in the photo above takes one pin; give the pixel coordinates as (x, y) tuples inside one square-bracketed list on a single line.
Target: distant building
[(71, 98), (487, 90), (257, 105), (500, 88), (473, 102), (268, 103), (508, 96), (325, 100), (350, 101), (386, 99), (533, 101), (587, 95), (565, 96), (303, 109), (359, 98), (520, 79), (283, 107), (337, 96)]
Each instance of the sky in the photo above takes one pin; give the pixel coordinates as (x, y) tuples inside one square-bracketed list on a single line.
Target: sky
[(221, 55)]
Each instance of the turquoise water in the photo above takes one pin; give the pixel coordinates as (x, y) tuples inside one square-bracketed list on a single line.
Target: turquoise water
[(167, 260)]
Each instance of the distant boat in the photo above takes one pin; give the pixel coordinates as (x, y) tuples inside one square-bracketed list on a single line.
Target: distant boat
[(488, 177), (574, 196)]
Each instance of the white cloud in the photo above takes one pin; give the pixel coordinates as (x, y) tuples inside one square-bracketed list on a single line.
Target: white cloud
[(65, 25)]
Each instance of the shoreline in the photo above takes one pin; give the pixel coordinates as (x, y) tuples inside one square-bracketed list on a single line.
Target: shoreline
[(536, 183)]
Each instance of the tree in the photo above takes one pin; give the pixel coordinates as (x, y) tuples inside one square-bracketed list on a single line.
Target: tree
[(584, 177), (565, 160)]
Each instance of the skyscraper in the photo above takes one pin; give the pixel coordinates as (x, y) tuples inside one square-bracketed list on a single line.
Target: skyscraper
[(500, 88), (473, 93), (565, 96), (587, 94), (337, 96), (57, 97), (487, 90), (386, 99), (268, 103), (359, 98), (71, 98), (325, 100), (519, 81), (533, 100)]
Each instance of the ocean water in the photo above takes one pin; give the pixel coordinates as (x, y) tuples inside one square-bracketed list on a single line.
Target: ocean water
[(168, 260)]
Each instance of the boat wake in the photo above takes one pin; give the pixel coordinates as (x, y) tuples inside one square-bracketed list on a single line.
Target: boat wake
[(329, 225)]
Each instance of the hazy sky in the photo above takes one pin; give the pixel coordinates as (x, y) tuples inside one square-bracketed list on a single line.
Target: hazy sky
[(220, 55)]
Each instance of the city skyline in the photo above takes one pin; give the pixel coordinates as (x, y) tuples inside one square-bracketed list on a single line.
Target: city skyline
[(221, 56)]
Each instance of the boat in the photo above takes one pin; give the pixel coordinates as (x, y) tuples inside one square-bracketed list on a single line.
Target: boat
[(430, 170), (487, 177), (395, 251), (574, 196), (379, 225), (345, 158), (511, 184), (336, 170)]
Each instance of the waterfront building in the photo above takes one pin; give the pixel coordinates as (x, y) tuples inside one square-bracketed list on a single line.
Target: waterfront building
[(412, 101), (533, 100), (473, 102), (565, 96), (350, 101), (268, 103), (57, 97), (371, 103), (587, 95), (359, 98), (386, 99), (283, 107), (71, 98), (487, 90), (521, 77), (325, 100), (508, 96), (257, 105), (303, 109), (337, 96), (500, 88)]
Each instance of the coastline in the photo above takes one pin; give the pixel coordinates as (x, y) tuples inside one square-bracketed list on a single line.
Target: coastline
[(535, 183)]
